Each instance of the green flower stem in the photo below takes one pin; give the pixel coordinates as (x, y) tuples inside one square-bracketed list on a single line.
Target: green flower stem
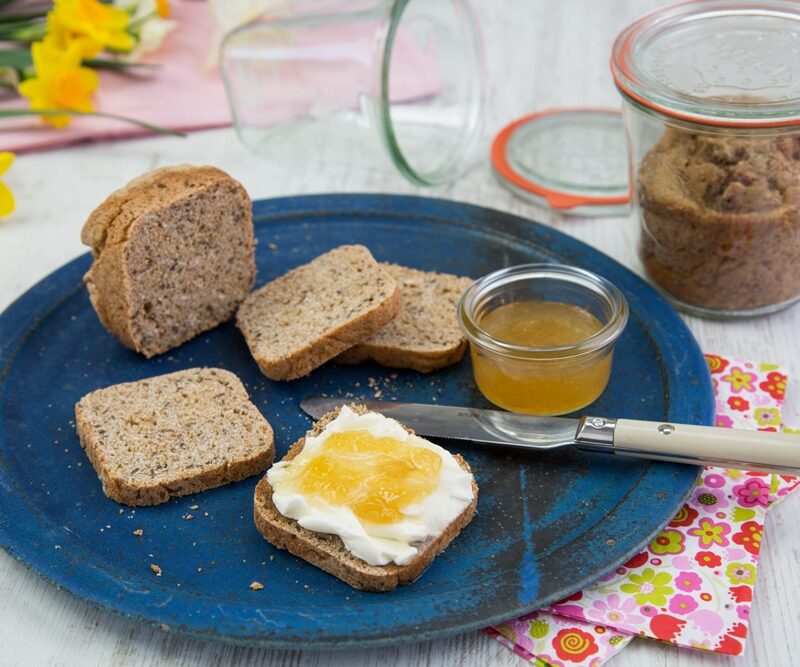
[(9, 113), (108, 63)]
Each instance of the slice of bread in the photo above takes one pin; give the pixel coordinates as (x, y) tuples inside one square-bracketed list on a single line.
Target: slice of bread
[(173, 256), (299, 321), (173, 435), (329, 553), (425, 336)]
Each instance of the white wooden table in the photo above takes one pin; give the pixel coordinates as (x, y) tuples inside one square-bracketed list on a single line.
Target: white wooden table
[(540, 54)]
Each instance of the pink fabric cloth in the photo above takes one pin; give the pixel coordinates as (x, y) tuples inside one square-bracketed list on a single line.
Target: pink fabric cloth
[(177, 95), (180, 95)]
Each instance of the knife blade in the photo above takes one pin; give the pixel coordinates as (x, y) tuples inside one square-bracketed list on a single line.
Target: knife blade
[(663, 441)]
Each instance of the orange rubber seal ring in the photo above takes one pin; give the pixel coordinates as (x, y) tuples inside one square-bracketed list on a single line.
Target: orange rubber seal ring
[(555, 198)]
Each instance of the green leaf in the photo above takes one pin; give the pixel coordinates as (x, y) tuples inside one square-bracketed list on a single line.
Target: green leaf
[(10, 113), (22, 31), (16, 58), (22, 16), (108, 63), (21, 58)]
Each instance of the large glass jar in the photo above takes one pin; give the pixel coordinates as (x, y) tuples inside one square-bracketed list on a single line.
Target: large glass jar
[(711, 96), (331, 80)]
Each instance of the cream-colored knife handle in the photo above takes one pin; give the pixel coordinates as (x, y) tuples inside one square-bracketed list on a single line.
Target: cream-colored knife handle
[(764, 451)]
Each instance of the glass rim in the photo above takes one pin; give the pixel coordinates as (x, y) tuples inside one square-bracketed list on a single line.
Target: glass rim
[(590, 282), (457, 161), (650, 93)]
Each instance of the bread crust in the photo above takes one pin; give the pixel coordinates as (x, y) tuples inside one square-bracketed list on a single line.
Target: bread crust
[(116, 224), (423, 361), (329, 553)]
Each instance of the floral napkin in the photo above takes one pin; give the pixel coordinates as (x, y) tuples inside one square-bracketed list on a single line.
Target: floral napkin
[(549, 639), (693, 584)]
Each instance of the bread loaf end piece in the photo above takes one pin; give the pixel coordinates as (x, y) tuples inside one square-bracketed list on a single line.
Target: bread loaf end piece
[(173, 256)]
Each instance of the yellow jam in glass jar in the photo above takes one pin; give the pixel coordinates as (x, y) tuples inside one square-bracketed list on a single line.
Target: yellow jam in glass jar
[(544, 390), (542, 336)]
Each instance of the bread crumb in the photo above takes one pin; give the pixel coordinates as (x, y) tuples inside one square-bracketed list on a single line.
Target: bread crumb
[(272, 246), (155, 569), (138, 532), (194, 507), (256, 586), (189, 517)]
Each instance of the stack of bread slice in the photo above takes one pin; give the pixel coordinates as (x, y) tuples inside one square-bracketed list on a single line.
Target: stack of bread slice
[(346, 306)]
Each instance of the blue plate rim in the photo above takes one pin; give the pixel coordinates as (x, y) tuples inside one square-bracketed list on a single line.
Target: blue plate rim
[(31, 308)]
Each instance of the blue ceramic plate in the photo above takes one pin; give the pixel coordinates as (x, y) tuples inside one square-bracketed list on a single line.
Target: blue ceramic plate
[(546, 525)]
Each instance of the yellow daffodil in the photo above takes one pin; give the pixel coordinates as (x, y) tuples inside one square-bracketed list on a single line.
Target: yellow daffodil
[(60, 82), (6, 196), (91, 24)]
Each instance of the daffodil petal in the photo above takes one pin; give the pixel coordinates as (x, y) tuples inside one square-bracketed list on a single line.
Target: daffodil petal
[(33, 90), (6, 200), (89, 79), (58, 122), (6, 159)]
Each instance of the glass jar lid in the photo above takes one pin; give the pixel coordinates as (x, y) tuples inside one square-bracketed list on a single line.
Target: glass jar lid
[(732, 63), (573, 160)]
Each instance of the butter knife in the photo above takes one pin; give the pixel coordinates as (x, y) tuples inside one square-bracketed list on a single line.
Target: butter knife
[(663, 441)]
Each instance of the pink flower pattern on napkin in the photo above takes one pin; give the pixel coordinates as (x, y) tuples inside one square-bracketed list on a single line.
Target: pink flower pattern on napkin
[(548, 640), (693, 583)]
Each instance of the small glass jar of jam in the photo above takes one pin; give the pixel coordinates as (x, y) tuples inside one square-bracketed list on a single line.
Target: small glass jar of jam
[(542, 336), (711, 95)]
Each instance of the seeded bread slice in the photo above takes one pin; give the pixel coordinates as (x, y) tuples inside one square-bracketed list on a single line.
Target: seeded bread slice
[(425, 336), (173, 256), (173, 435), (299, 321), (329, 553)]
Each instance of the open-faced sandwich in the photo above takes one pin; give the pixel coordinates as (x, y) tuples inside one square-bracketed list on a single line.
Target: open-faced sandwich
[(365, 499)]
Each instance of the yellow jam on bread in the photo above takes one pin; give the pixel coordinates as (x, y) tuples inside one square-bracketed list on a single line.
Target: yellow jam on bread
[(366, 479), (554, 384), (376, 477)]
